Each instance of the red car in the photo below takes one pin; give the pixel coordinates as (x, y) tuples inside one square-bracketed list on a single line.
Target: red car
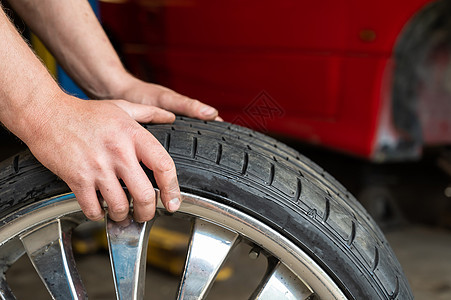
[(371, 78)]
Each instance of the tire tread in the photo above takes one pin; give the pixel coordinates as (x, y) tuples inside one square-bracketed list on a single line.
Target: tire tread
[(289, 175)]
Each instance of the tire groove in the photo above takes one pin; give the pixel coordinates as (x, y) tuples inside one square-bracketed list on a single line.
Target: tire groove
[(298, 190), (295, 168), (395, 293), (16, 164), (245, 163), (194, 147), (376, 260), (219, 154), (167, 141), (352, 234), (272, 172), (260, 141), (326, 211)]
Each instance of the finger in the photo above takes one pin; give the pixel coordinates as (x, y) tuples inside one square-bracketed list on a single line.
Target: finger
[(114, 196), (142, 191), (219, 119), (144, 113), (183, 105), (89, 203), (155, 157)]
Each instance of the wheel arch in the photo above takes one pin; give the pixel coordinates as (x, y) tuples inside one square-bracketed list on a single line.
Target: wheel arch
[(403, 128)]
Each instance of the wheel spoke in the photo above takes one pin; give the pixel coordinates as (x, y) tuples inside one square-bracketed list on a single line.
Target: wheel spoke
[(127, 242), (209, 248), (281, 283), (50, 250), (10, 252), (5, 291)]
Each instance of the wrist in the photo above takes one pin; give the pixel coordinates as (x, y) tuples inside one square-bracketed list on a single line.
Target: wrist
[(114, 86), (29, 120)]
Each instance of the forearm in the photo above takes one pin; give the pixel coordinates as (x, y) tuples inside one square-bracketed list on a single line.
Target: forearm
[(72, 33), (26, 88)]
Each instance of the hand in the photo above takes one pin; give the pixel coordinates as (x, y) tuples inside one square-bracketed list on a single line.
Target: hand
[(137, 91), (93, 144)]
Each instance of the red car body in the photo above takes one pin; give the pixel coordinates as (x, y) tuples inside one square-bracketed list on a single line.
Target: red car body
[(329, 72)]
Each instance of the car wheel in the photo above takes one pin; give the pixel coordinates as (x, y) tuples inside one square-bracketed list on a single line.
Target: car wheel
[(239, 187)]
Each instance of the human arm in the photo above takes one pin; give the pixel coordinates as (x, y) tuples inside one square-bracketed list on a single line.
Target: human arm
[(72, 33), (89, 144)]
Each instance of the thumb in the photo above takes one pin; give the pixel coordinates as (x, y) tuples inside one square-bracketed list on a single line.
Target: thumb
[(144, 113)]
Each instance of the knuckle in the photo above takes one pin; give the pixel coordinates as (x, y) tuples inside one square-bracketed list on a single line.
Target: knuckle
[(119, 208), (152, 110), (192, 102), (150, 115), (166, 96), (173, 189), (137, 133), (147, 205), (78, 177), (144, 197), (114, 148), (165, 164), (118, 154), (85, 174), (147, 197), (97, 165), (143, 217), (93, 214)]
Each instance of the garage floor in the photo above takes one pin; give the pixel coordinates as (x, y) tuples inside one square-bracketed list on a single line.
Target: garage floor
[(424, 250), (425, 254)]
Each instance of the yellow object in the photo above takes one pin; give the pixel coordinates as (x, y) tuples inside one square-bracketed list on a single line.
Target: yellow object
[(46, 57), (166, 250)]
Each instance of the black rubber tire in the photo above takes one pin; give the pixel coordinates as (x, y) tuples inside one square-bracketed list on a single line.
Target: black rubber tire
[(265, 179)]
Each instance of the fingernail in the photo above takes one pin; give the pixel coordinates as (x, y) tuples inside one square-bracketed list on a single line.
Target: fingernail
[(174, 204), (207, 111)]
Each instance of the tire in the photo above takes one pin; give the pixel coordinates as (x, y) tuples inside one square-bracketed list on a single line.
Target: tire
[(257, 177)]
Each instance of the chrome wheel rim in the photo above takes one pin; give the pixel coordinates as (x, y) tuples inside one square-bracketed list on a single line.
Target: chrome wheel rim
[(42, 230)]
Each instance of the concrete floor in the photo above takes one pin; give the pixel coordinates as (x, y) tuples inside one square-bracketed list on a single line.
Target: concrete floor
[(425, 255)]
